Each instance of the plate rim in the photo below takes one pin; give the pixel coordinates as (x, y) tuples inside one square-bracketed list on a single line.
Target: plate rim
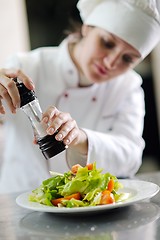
[(43, 208)]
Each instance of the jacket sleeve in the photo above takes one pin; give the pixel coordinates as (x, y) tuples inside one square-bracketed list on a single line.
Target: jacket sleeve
[(119, 149)]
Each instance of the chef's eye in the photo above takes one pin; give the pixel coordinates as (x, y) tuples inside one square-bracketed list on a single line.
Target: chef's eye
[(108, 44), (127, 58)]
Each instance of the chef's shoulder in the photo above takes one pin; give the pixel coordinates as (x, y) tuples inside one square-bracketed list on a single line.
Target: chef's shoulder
[(131, 79), (126, 82), (33, 57)]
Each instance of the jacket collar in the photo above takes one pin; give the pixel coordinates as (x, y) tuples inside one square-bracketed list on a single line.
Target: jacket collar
[(68, 69)]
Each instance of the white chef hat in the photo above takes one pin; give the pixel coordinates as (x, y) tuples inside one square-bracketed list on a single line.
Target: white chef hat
[(135, 21)]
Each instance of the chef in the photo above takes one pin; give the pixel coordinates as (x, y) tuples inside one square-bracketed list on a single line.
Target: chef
[(88, 91)]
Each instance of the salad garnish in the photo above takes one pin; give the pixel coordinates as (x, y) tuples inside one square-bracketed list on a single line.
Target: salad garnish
[(79, 187)]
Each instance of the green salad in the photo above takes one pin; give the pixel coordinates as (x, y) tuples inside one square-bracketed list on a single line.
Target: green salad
[(80, 187)]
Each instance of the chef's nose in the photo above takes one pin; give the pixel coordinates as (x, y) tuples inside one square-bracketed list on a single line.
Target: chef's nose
[(112, 59)]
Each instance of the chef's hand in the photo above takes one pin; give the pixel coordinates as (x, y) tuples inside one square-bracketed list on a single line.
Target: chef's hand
[(68, 131), (8, 90)]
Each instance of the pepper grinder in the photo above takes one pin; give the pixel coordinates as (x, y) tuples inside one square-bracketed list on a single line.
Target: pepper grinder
[(31, 107)]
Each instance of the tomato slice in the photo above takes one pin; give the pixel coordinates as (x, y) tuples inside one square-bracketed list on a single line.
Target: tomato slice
[(74, 168), (89, 166), (107, 197), (110, 185)]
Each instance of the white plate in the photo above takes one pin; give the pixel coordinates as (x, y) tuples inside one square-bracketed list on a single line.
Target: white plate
[(137, 190)]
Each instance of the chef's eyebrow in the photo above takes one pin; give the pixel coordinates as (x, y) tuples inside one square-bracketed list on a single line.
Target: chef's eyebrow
[(138, 55)]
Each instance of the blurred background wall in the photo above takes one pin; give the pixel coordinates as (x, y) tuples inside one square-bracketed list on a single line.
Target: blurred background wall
[(28, 24), (14, 35)]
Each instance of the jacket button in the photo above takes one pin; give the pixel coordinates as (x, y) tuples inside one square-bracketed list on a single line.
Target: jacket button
[(65, 95), (94, 99), (70, 72)]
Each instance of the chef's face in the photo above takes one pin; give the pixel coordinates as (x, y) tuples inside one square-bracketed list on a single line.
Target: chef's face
[(100, 55)]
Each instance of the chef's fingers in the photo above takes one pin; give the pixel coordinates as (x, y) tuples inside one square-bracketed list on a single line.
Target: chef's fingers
[(9, 93), (71, 137), (10, 73), (50, 114), (65, 129), (8, 88), (2, 110), (59, 119), (34, 140), (26, 80), (17, 73)]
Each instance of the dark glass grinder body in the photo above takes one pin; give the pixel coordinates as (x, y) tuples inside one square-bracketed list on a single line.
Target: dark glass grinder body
[(30, 105)]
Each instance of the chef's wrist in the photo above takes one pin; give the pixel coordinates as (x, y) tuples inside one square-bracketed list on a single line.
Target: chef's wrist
[(81, 145)]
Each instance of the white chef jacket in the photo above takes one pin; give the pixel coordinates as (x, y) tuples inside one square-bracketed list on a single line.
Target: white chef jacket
[(111, 114)]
